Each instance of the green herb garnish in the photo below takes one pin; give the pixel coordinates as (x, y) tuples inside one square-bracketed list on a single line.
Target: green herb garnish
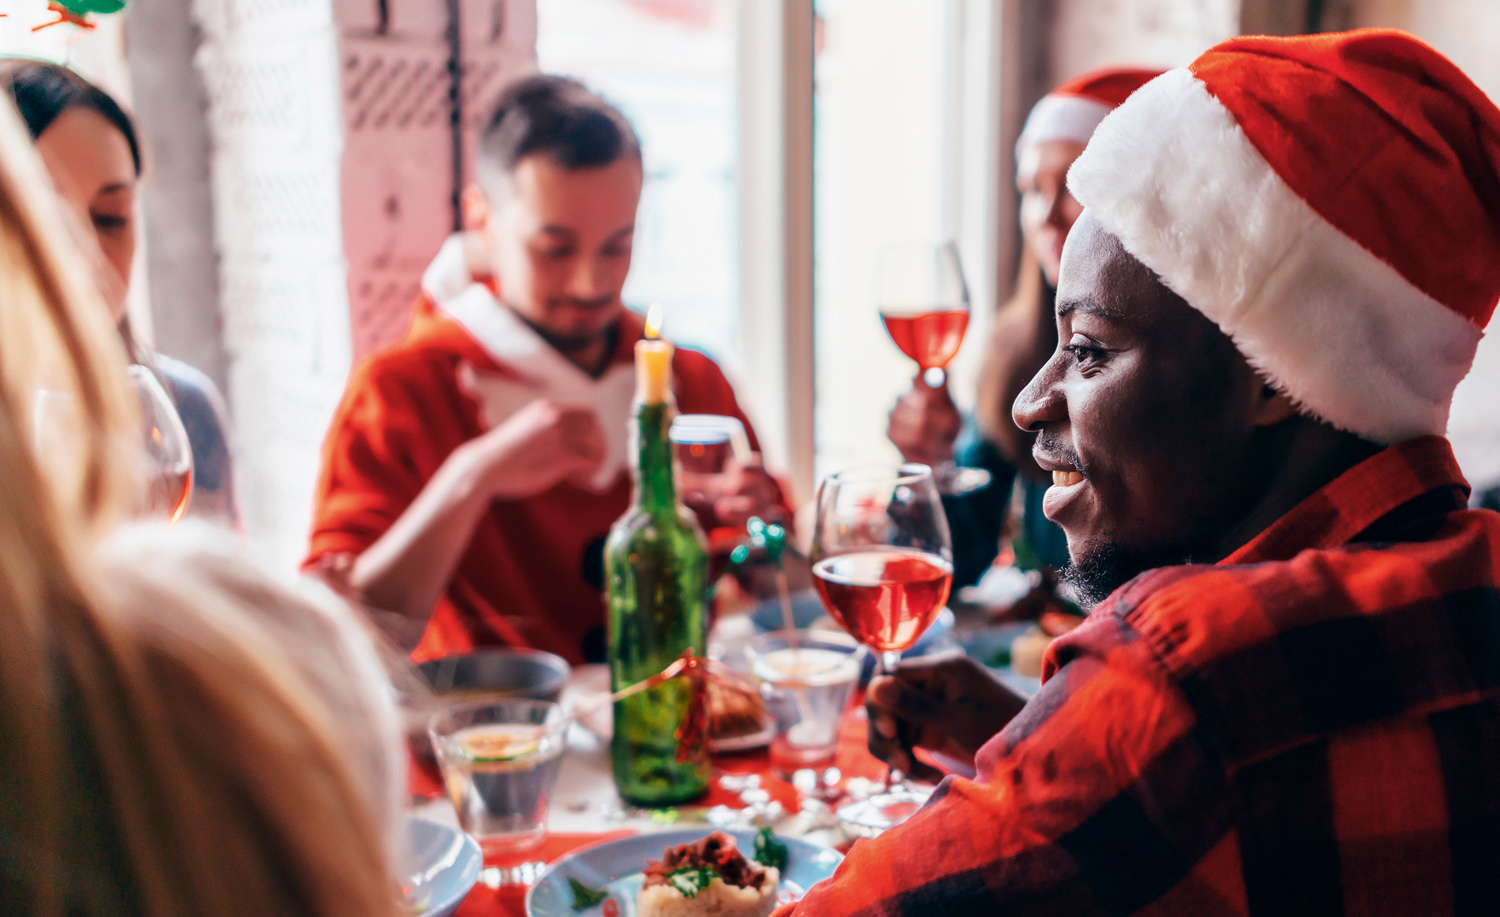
[(585, 897), (690, 880), (769, 851)]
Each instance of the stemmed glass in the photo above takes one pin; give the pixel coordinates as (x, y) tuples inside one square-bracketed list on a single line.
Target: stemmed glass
[(883, 565), (166, 472), (924, 303), (167, 455)]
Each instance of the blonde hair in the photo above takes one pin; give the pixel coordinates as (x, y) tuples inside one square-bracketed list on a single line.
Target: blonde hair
[(178, 735)]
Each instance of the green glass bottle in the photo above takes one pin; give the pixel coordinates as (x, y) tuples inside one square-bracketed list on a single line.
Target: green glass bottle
[(656, 565)]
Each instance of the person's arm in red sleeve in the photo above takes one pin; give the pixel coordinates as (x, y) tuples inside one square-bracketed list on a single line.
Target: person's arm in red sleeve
[(410, 535), (1098, 798)]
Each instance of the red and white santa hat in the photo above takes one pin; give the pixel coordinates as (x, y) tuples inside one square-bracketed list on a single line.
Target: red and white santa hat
[(1332, 202), (1074, 109)]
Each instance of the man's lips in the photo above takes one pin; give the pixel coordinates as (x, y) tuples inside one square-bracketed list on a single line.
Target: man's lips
[(1067, 481)]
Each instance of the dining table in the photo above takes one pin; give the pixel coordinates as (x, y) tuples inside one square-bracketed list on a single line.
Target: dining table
[(585, 809)]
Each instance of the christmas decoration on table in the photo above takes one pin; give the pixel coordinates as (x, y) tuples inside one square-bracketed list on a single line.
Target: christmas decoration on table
[(79, 12)]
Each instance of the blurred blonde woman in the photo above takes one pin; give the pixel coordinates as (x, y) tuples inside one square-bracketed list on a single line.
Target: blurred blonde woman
[(178, 735)]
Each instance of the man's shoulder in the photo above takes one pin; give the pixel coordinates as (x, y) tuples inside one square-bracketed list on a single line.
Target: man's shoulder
[(1201, 611), (1273, 653)]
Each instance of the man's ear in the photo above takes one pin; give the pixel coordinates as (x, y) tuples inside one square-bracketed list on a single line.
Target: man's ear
[(476, 208), (1271, 407)]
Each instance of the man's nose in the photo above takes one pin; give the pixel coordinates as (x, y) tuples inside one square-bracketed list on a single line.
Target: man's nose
[(586, 280), (1040, 402), (1055, 215)]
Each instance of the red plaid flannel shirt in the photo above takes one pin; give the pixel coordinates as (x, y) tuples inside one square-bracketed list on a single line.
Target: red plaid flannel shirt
[(1310, 726)]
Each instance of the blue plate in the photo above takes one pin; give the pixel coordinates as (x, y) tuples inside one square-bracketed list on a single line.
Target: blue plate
[(444, 864), (616, 866)]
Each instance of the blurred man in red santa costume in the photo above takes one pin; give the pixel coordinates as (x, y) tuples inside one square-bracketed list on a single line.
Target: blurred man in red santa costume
[(474, 468)]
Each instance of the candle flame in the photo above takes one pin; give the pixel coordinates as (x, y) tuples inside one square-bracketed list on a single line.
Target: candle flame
[(653, 321)]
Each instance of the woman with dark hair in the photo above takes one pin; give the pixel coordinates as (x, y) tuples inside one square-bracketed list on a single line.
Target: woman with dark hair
[(90, 148), (925, 424)]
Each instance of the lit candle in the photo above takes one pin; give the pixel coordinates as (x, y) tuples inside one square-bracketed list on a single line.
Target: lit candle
[(653, 361)]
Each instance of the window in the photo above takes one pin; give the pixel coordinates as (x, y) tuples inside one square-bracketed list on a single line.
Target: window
[(670, 66)]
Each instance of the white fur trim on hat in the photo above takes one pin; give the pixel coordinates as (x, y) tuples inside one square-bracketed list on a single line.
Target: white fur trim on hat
[(1172, 175), (1062, 118)]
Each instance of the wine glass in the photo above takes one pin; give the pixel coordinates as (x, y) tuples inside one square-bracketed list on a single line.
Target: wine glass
[(166, 459), (883, 565), (924, 304), (167, 472)]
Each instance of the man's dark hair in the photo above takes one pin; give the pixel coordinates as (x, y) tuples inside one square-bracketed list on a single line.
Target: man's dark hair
[(553, 116), (42, 91)]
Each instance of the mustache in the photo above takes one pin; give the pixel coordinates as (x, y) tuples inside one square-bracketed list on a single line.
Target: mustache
[(1053, 447), (576, 303)]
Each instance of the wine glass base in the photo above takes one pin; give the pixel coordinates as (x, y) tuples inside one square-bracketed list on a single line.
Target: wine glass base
[(881, 812), (957, 480)]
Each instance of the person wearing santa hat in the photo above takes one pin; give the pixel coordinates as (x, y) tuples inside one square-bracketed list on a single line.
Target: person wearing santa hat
[(925, 424), (474, 468), (1288, 699)]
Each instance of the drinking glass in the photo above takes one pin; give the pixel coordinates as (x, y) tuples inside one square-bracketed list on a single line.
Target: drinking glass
[(924, 303), (168, 458), (703, 446), (806, 678), (883, 565), (500, 760)]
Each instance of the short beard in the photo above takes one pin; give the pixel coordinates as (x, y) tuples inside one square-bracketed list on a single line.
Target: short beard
[(1095, 576)]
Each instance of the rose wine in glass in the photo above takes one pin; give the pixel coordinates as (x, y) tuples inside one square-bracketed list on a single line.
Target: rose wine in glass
[(885, 598), (924, 303), (883, 564)]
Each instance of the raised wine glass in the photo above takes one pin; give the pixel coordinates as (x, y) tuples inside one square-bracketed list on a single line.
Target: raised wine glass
[(924, 303), (883, 565)]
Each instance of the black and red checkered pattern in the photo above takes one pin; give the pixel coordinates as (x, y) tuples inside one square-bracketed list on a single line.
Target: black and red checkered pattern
[(1309, 727)]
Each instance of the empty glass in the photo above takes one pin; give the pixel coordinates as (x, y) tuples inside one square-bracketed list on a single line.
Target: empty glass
[(807, 683)]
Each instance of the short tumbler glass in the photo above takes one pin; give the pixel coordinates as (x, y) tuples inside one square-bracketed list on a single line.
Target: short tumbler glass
[(807, 683), (500, 760)]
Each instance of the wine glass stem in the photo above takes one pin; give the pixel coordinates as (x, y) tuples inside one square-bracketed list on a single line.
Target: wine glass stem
[(894, 778)]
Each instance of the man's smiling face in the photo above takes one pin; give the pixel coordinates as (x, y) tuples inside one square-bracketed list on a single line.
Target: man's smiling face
[(1147, 416)]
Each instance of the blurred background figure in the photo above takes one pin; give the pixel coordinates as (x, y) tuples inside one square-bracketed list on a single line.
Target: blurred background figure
[(926, 425), (179, 735), (93, 155), (475, 466)]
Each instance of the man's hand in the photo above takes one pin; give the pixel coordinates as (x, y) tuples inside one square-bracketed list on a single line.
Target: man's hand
[(730, 498), (924, 424), (536, 448), (946, 703)]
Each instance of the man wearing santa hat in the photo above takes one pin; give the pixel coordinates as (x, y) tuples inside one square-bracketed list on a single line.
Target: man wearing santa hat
[(925, 424), (474, 468), (1288, 700)]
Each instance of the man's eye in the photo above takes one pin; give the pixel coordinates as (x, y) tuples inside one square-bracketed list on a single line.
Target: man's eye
[(105, 222), (1083, 353)]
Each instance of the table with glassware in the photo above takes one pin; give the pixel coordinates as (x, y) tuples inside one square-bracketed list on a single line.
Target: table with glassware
[(728, 763)]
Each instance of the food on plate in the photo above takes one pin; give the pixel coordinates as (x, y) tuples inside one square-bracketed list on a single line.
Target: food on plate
[(769, 851), (585, 897), (708, 877), (735, 709)]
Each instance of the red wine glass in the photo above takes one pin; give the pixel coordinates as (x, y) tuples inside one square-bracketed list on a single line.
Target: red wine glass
[(924, 303), (883, 565)]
